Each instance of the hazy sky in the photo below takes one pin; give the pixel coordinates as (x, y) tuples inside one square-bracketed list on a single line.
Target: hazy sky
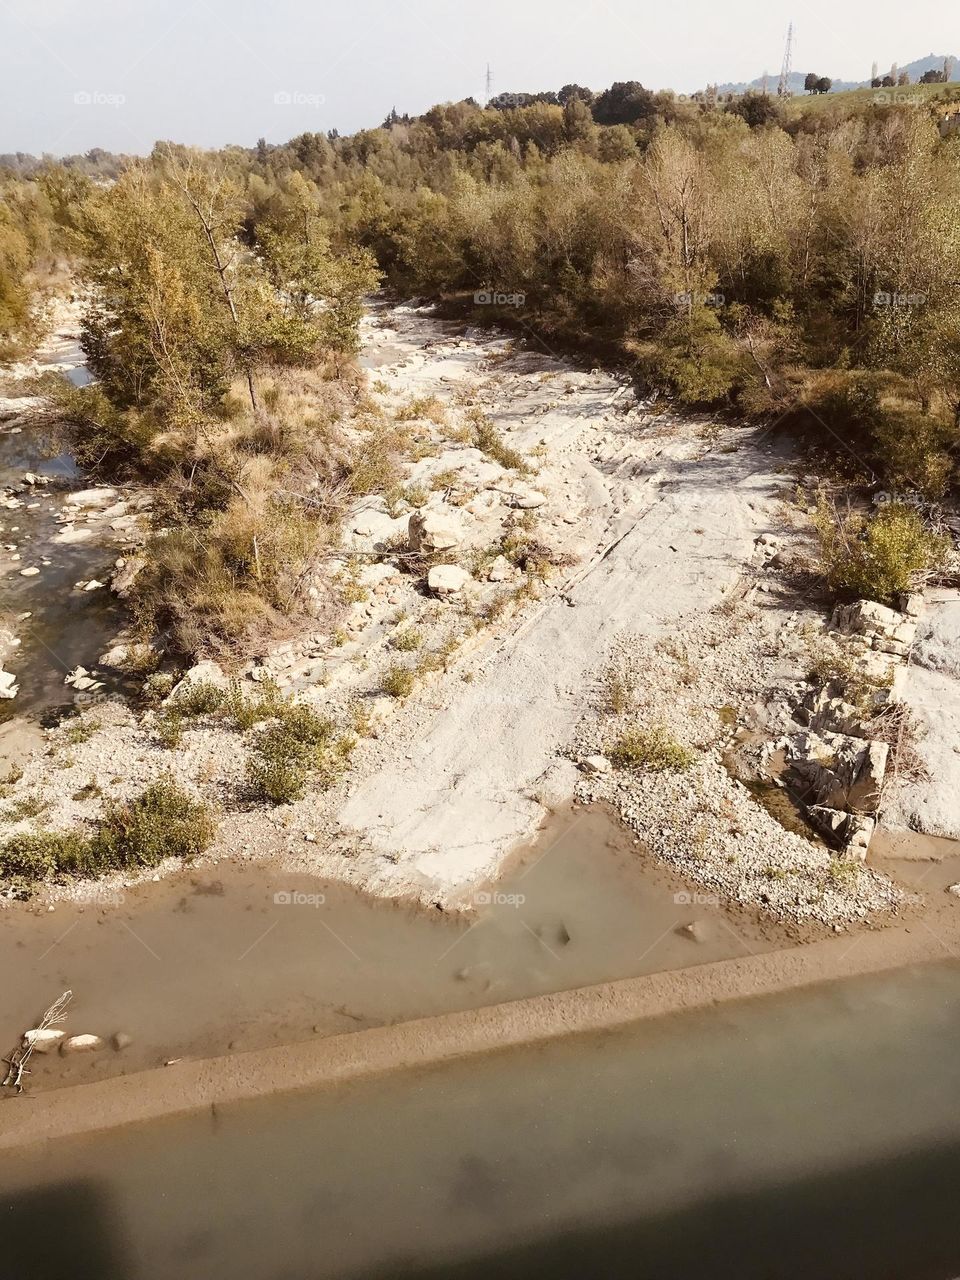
[(122, 73)]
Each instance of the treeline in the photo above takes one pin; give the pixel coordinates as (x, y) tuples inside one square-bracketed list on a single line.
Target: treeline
[(790, 265)]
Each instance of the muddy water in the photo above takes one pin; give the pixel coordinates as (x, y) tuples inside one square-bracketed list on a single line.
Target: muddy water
[(244, 956), (816, 1135)]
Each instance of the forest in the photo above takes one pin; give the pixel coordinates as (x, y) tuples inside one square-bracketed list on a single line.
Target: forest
[(781, 265)]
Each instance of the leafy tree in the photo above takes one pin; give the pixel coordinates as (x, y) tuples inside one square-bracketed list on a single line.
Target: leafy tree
[(625, 102)]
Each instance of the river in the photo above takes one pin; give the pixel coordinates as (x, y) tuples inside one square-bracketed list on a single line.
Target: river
[(815, 1135)]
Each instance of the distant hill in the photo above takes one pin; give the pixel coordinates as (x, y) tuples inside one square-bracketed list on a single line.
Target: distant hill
[(932, 62)]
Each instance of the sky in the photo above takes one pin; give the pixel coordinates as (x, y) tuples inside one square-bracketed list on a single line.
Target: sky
[(119, 74)]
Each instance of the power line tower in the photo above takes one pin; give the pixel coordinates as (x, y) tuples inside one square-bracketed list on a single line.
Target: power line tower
[(783, 88), (873, 72), (488, 85), (765, 85)]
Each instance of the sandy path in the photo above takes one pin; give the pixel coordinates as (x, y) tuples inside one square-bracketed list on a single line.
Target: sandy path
[(672, 522)]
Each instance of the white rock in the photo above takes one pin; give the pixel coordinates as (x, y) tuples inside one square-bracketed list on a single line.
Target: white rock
[(525, 498), (31, 572), (43, 1040), (208, 672), (91, 497), (501, 570), (81, 1044), (447, 579), (8, 685), (92, 585), (597, 764), (431, 531)]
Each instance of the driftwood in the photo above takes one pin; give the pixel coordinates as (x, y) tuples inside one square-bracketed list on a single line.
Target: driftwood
[(17, 1062)]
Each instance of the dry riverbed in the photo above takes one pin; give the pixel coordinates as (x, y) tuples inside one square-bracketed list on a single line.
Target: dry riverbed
[(584, 565)]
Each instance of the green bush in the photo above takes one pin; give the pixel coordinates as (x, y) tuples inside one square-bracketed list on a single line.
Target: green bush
[(162, 822), (299, 743), (398, 681), (877, 557), (200, 698), (653, 749)]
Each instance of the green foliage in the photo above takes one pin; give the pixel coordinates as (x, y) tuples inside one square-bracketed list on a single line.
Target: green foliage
[(877, 557), (298, 745), (398, 681), (652, 749), (163, 821)]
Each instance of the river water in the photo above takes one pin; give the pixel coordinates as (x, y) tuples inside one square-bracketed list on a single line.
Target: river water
[(59, 625), (244, 956), (812, 1137)]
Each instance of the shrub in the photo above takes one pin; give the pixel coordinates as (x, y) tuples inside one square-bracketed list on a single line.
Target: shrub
[(876, 557), (247, 710), (407, 640), (162, 822), (286, 752), (199, 698), (169, 729), (653, 749), (398, 681)]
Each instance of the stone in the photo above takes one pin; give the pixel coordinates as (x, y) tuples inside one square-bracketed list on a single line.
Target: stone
[(92, 585), (911, 603), (431, 531), (597, 764), (121, 1041), (501, 570), (820, 711), (91, 497), (81, 1044), (43, 1040), (8, 685), (447, 579), (30, 572), (121, 655), (954, 889), (838, 771), (126, 574), (207, 672), (525, 498)]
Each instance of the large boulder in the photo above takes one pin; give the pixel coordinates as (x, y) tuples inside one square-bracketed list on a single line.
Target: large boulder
[(203, 673), (882, 628), (837, 771), (430, 531), (8, 684)]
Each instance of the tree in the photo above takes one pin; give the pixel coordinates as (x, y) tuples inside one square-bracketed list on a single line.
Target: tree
[(903, 78), (824, 84), (625, 102), (811, 80), (575, 92)]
